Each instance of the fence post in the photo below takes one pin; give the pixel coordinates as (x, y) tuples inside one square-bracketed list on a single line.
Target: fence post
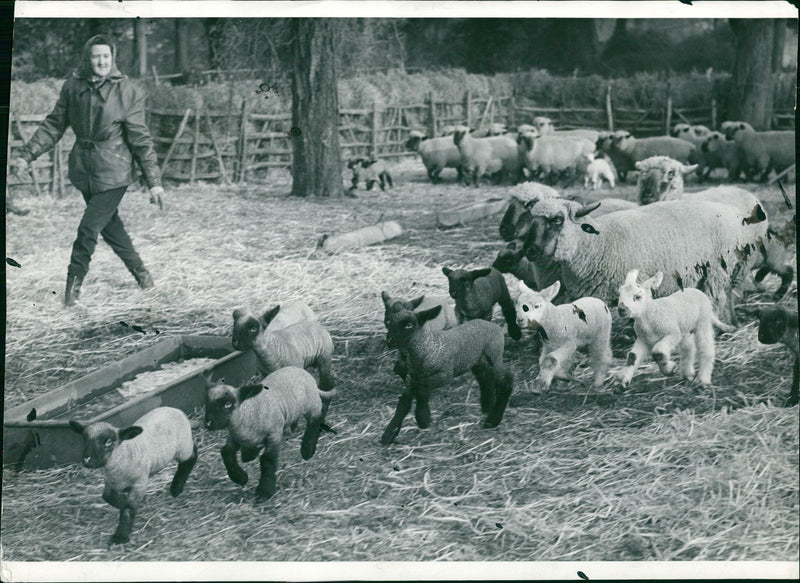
[(243, 143), (512, 105), (375, 128), (468, 108), (713, 113), (668, 121), (431, 115), (609, 110), (193, 165)]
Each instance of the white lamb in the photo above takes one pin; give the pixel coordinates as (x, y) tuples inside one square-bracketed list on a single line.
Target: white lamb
[(564, 329), (683, 319), (597, 170)]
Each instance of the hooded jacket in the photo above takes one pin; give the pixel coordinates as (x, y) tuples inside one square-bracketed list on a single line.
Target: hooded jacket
[(108, 118)]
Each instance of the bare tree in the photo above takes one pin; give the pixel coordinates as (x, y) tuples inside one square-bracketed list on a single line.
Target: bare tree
[(316, 164), (140, 42), (751, 95)]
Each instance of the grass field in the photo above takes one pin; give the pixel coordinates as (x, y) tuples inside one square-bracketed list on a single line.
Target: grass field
[(664, 471)]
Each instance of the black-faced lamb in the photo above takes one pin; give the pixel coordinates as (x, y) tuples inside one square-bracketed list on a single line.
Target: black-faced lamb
[(697, 244), (436, 358), (763, 152), (131, 455), (779, 324), (445, 320), (479, 156), (586, 322), (256, 416), (304, 344), (436, 153), (247, 326), (684, 319), (477, 291), (370, 171)]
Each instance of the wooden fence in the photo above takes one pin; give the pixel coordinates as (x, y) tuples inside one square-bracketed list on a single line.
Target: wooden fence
[(241, 146)]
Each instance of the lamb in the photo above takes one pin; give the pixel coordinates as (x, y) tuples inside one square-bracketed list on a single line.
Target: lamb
[(131, 455), (437, 154), (444, 321), (371, 171), (778, 324), (683, 319), (481, 156), (247, 327), (256, 416), (551, 155), (764, 151), (717, 152), (476, 292), (696, 243), (586, 322), (436, 358), (621, 161), (303, 344), (598, 170), (661, 178)]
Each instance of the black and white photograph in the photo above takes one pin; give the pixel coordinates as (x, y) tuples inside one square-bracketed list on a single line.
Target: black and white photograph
[(401, 290)]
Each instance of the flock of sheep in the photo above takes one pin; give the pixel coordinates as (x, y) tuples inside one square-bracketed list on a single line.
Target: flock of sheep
[(669, 263)]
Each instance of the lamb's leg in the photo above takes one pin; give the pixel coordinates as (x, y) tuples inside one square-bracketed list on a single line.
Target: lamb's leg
[(388, 179), (235, 471), (485, 377), (129, 502), (326, 380), (403, 407), (786, 274), (704, 338), (113, 497), (422, 392), (601, 357), (250, 453), (269, 464), (310, 437), (509, 311), (688, 353), (503, 381), (182, 473), (637, 354), (662, 353), (793, 393)]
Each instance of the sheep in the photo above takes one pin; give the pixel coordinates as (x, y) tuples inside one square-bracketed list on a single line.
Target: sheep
[(691, 133), (130, 456), (444, 321), (436, 358), (477, 291), (371, 171), (256, 416), (621, 161), (642, 148), (586, 322), (778, 324), (437, 154), (684, 319), (597, 170), (763, 151), (247, 327), (661, 178), (551, 155), (717, 152), (545, 127), (728, 127), (698, 244), (481, 156), (304, 344), (776, 253)]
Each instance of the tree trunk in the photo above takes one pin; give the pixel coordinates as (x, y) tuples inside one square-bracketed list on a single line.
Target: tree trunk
[(316, 164), (140, 50), (213, 28), (777, 45), (181, 45), (751, 96)]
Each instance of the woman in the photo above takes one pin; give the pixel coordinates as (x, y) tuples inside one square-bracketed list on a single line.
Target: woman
[(106, 112)]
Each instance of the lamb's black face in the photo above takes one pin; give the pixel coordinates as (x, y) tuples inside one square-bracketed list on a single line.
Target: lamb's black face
[(508, 258), (771, 325), (220, 405), (394, 307), (245, 331), (99, 442), (402, 325), (459, 283)]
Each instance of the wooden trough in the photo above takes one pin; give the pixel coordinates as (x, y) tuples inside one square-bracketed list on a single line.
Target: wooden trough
[(47, 440), (470, 212)]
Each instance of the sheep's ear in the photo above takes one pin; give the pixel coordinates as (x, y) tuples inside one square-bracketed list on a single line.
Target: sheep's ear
[(550, 292), (685, 169), (429, 314), (237, 313), (447, 271), (129, 432), (631, 276), (270, 314), (478, 273), (415, 303), (249, 391), (76, 427), (654, 282), (523, 288), (386, 298)]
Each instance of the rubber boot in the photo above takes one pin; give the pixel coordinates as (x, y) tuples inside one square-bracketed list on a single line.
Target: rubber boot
[(73, 291), (143, 277)]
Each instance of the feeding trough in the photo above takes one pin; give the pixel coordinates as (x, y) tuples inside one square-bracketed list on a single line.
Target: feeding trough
[(470, 212), (36, 434)]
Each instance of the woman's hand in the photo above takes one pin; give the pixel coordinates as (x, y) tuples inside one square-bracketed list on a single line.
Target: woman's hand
[(22, 169), (155, 196)]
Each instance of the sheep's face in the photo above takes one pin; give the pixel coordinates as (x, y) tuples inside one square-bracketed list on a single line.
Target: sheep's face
[(516, 221), (544, 125), (460, 283), (100, 440), (392, 306), (245, 330), (547, 222), (681, 130), (220, 404), (713, 143), (402, 325), (660, 178), (530, 307), (412, 144), (634, 297), (508, 259), (623, 141), (772, 325)]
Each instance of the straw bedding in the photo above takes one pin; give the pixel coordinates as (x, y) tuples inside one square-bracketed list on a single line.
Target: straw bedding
[(663, 471)]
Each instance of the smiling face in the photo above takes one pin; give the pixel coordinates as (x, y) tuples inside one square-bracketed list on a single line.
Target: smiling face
[(101, 60)]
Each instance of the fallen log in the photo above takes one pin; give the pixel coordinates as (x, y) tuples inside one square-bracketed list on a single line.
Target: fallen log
[(360, 237)]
